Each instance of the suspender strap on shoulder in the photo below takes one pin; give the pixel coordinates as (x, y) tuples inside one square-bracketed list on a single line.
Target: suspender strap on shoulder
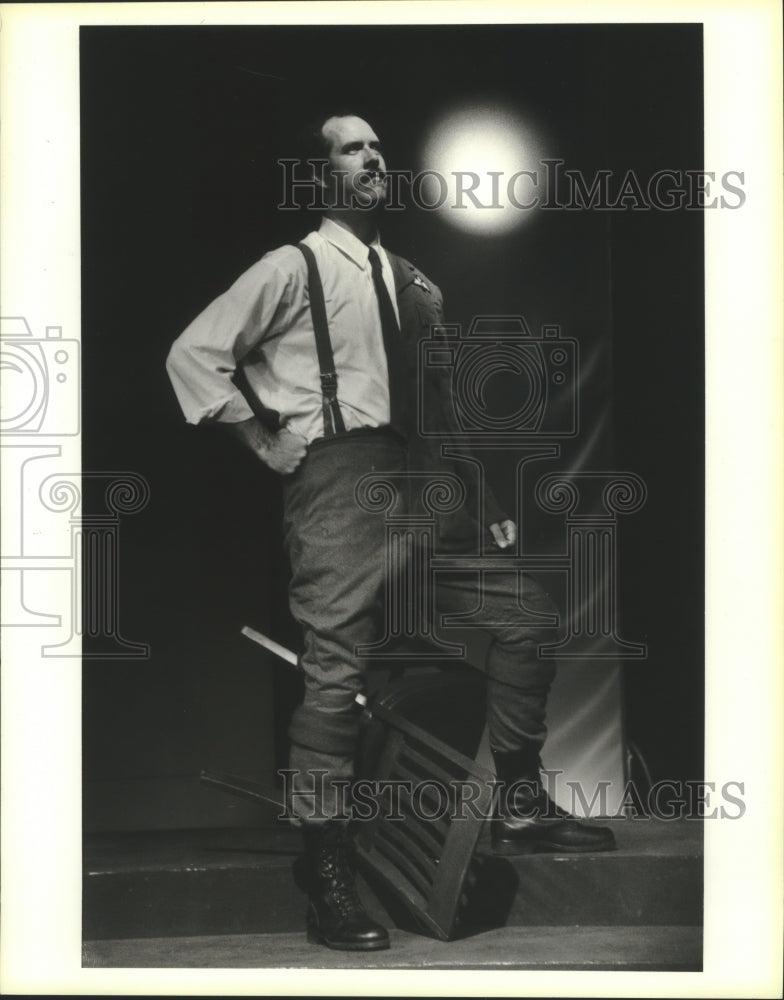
[(333, 419)]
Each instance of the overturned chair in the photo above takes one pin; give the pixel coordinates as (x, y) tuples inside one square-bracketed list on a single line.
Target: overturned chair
[(431, 799)]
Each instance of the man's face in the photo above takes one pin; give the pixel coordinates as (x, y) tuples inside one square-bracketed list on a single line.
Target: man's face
[(356, 170)]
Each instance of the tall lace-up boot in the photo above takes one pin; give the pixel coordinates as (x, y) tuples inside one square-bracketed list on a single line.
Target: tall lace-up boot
[(336, 916)]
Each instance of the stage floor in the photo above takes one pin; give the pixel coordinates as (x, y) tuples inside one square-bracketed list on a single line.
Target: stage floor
[(665, 949), (231, 898)]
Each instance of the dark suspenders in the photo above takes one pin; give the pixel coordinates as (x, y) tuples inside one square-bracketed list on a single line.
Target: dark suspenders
[(333, 419)]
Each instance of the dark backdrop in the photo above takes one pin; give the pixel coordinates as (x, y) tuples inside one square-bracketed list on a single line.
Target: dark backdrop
[(180, 130)]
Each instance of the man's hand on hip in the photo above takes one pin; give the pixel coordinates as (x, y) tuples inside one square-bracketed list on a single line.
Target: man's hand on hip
[(284, 452), (504, 534), (281, 450)]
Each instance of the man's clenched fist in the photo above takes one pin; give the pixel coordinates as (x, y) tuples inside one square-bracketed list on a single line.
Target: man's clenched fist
[(281, 450), (504, 534), (284, 451)]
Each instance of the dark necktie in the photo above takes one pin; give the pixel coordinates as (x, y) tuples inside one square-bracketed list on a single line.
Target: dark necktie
[(393, 345)]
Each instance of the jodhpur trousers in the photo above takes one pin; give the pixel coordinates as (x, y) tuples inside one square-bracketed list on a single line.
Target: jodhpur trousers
[(338, 561)]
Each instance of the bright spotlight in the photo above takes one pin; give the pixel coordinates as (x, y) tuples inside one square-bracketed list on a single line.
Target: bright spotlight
[(479, 162)]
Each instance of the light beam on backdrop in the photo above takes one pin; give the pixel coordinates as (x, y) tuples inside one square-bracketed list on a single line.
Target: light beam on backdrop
[(482, 164), (486, 164)]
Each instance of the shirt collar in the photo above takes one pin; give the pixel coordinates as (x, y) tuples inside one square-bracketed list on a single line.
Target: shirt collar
[(346, 242)]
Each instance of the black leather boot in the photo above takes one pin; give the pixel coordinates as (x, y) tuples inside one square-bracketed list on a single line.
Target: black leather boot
[(526, 818), (335, 916)]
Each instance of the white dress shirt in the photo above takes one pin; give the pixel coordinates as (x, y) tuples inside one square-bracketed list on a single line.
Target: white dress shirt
[(264, 321)]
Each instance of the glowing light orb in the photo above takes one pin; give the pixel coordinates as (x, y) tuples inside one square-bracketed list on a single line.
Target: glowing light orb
[(475, 162)]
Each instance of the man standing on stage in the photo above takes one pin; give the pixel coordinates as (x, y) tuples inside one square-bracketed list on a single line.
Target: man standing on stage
[(326, 334)]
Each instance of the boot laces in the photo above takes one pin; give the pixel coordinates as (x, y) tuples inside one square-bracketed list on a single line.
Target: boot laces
[(336, 871)]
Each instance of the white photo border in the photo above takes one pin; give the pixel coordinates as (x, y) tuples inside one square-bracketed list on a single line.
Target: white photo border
[(41, 943)]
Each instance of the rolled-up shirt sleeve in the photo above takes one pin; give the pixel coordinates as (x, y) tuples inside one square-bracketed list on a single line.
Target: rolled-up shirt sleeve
[(204, 357)]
